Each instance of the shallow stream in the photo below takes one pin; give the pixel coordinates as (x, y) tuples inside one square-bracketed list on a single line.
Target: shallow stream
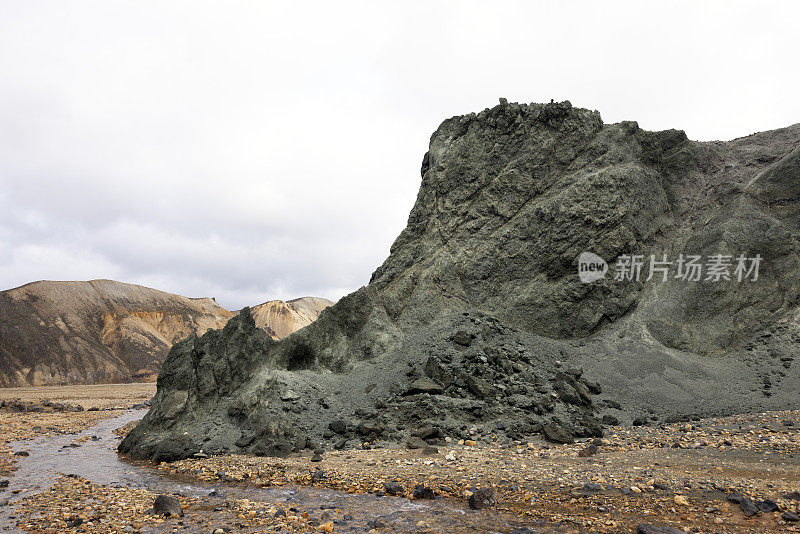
[(97, 460)]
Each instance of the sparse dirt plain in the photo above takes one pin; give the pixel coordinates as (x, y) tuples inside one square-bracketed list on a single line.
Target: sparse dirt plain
[(90, 396)]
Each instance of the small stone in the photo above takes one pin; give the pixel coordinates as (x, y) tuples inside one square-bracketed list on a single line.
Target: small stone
[(557, 433), (393, 488), (317, 475), (790, 517), (424, 385), (482, 498), (736, 498), (414, 442), (168, 506), (338, 426), (748, 508), (426, 432), (650, 529), (326, 527), (680, 500), (767, 506), (290, 395), (423, 492), (588, 451)]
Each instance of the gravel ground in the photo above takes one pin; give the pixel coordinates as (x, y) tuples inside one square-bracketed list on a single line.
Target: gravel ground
[(74, 504), (684, 475), (679, 475)]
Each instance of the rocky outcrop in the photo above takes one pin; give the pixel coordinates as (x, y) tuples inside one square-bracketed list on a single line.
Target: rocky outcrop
[(478, 322), (279, 318)]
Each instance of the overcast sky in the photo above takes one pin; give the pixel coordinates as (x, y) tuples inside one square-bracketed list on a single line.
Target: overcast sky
[(259, 150)]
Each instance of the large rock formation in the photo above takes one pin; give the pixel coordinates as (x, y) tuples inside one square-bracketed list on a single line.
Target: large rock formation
[(279, 318), (94, 332), (478, 316), (54, 333)]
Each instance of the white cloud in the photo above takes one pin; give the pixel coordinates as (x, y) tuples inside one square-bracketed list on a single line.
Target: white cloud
[(254, 150)]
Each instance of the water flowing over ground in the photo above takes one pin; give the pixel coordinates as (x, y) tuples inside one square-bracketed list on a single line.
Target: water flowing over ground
[(96, 459)]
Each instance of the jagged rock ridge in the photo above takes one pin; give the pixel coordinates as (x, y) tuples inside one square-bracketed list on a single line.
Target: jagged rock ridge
[(478, 316)]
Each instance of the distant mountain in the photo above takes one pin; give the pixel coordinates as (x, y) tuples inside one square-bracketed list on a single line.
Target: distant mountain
[(281, 318), (103, 331)]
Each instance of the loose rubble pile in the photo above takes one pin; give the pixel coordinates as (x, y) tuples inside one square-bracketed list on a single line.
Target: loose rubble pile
[(476, 372)]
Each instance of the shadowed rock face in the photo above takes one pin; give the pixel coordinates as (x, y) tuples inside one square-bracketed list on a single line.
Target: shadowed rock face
[(478, 316)]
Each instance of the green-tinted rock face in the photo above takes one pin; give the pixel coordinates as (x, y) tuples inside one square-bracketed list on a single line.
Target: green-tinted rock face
[(478, 318)]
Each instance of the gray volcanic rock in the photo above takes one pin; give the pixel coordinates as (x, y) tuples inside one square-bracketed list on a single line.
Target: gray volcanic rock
[(478, 323)]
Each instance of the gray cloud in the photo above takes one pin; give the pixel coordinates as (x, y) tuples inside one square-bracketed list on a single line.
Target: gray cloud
[(256, 150)]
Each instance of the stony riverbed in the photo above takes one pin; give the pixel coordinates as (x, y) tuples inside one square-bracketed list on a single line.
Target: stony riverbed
[(732, 474)]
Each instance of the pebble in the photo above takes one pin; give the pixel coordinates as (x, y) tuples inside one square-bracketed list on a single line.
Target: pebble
[(680, 500)]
